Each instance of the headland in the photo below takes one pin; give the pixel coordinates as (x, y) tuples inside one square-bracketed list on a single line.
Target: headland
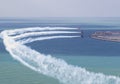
[(107, 35)]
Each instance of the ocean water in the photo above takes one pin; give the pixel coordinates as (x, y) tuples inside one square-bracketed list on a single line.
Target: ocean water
[(94, 55)]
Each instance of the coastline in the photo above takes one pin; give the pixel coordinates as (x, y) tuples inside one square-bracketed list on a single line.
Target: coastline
[(107, 35)]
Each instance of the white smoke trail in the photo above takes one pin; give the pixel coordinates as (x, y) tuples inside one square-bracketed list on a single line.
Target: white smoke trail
[(28, 40), (43, 33), (20, 31), (50, 66)]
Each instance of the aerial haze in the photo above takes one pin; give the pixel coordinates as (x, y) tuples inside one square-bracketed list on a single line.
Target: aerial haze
[(59, 8)]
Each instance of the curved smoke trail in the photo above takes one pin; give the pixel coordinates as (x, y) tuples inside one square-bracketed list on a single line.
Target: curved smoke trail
[(14, 41)]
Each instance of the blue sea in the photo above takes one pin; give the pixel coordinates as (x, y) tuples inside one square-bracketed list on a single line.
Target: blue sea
[(96, 56)]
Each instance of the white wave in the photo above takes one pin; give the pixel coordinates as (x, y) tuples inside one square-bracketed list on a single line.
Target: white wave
[(51, 66)]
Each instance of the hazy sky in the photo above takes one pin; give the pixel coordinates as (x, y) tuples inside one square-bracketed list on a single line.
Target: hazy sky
[(59, 8)]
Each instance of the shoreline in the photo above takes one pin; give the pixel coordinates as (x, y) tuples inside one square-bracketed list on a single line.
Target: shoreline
[(107, 35)]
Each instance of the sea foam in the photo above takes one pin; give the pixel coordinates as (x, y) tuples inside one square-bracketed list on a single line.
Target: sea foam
[(15, 40)]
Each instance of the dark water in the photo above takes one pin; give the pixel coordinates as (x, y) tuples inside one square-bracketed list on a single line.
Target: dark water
[(85, 46), (79, 46), (94, 55)]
